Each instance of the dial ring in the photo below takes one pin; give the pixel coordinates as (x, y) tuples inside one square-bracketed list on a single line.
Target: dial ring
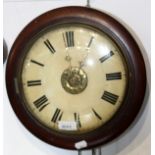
[(91, 106), (137, 76)]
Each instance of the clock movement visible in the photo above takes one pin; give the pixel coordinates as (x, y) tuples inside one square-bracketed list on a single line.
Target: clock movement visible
[(75, 78)]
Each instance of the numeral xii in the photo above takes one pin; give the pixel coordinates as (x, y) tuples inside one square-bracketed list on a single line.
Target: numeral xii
[(68, 38)]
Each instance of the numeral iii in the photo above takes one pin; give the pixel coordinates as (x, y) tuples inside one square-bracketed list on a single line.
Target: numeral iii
[(114, 76)]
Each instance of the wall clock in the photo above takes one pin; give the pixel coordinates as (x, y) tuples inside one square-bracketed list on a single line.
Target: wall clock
[(75, 78)]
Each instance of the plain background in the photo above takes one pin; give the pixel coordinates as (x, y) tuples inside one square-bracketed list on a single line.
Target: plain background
[(135, 15)]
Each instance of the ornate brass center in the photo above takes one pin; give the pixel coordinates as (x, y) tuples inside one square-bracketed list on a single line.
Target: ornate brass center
[(74, 80)]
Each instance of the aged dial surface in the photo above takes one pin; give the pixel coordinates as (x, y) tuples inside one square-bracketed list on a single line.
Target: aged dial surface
[(74, 78)]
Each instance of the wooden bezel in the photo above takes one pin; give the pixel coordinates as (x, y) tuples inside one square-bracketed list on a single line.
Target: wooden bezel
[(130, 50)]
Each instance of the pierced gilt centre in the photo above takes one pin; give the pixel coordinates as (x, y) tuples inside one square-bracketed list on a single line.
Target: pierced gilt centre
[(74, 80)]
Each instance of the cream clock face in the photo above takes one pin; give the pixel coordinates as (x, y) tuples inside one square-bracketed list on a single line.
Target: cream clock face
[(78, 78), (74, 78)]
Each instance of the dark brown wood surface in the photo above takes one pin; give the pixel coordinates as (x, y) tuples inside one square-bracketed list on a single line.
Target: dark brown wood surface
[(130, 50)]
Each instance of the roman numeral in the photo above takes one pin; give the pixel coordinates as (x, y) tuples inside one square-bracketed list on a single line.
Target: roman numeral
[(96, 114), (77, 119), (109, 97), (104, 58), (41, 103), (114, 76), (90, 42), (68, 38), (57, 115), (33, 83), (49, 46), (37, 63)]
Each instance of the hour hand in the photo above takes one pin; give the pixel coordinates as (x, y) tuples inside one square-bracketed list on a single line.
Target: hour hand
[(81, 64), (68, 58)]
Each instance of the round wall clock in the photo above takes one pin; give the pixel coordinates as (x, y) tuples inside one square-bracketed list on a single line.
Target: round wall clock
[(75, 78)]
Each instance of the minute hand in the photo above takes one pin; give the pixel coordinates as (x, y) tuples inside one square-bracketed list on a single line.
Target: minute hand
[(82, 63)]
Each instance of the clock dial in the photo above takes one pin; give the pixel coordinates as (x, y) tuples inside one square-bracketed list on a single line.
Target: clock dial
[(74, 74)]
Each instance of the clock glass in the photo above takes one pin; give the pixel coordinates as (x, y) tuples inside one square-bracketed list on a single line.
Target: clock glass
[(74, 78)]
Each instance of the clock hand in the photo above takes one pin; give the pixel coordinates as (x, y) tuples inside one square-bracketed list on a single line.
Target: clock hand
[(82, 63), (68, 58)]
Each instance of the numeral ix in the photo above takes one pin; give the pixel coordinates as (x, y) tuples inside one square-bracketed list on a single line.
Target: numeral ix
[(33, 83)]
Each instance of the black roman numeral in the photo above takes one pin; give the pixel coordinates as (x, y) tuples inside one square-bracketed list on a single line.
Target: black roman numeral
[(37, 63), (41, 103), (114, 76), (96, 114), (57, 115), (33, 83), (77, 119), (49, 46), (90, 42), (109, 97), (104, 58), (69, 38)]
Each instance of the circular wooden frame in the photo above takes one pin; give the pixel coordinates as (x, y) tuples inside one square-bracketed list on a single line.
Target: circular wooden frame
[(136, 67)]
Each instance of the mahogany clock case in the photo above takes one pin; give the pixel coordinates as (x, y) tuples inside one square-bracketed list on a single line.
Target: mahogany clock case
[(136, 78)]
